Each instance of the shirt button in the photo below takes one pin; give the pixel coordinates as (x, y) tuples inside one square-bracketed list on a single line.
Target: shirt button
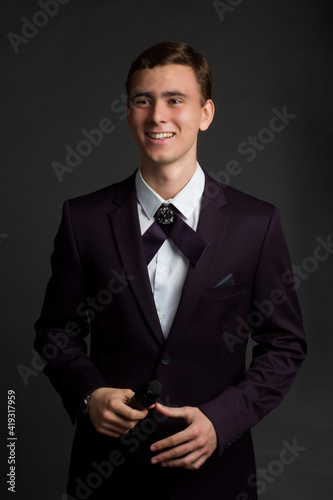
[(166, 359), (160, 316), (164, 273)]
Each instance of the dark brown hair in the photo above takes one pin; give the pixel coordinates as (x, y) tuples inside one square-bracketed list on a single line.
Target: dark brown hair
[(174, 53)]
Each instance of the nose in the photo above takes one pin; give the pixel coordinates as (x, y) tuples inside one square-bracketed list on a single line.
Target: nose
[(159, 112)]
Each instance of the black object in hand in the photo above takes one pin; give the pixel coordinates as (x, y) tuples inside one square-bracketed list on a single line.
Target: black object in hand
[(146, 395)]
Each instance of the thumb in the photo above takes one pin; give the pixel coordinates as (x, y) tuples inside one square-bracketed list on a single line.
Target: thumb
[(171, 412)]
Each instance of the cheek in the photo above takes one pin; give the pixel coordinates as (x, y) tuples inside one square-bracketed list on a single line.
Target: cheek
[(135, 121), (188, 120)]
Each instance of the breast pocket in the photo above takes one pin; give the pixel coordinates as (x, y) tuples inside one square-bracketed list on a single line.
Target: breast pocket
[(224, 291)]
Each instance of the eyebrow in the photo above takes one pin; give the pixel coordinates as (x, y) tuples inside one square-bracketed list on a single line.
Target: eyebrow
[(169, 93)]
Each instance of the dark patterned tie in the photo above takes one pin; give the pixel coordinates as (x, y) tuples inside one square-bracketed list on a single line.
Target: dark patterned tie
[(169, 224)]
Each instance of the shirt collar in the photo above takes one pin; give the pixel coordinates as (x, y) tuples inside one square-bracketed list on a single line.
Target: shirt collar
[(185, 201)]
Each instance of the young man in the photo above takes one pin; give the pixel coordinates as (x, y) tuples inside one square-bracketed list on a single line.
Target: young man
[(170, 272)]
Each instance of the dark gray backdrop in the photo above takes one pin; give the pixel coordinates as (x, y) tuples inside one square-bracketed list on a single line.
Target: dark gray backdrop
[(67, 75)]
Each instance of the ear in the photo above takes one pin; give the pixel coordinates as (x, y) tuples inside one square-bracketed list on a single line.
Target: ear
[(208, 111)]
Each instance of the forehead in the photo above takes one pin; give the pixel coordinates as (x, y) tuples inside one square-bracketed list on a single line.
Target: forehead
[(165, 78)]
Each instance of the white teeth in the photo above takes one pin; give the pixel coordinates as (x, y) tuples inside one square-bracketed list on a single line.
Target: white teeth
[(161, 136)]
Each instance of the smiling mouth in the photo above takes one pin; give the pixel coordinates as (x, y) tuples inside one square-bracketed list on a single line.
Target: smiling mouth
[(162, 135)]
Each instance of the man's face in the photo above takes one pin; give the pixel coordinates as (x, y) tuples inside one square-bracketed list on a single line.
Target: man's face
[(165, 113)]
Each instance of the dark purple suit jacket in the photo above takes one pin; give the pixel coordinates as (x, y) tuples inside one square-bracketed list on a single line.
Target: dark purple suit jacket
[(100, 285)]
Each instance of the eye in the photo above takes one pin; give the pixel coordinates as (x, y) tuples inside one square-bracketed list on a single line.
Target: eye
[(174, 100), (141, 103)]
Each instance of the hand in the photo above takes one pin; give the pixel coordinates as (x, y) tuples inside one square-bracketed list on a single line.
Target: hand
[(189, 448), (109, 413)]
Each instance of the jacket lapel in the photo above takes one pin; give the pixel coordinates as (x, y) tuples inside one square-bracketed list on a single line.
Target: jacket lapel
[(126, 227), (212, 227)]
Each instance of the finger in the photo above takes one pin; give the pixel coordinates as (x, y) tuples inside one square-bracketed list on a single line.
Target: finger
[(118, 407), (130, 414), (174, 453), (196, 464), (186, 462), (112, 421), (123, 395), (172, 441), (105, 428), (180, 412), (192, 460), (110, 433), (117, 426), (127, 395), (113, 433)]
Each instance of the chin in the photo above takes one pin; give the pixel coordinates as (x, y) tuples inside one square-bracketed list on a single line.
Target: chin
[(161, 161)]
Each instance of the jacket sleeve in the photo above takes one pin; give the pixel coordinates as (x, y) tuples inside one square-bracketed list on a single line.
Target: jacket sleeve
[(275, 324), (62, 326)]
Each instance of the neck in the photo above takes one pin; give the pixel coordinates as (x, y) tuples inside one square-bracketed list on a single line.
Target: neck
[(167, 180)]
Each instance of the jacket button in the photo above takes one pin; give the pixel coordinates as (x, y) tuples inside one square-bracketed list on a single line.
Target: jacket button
[(166, 359)]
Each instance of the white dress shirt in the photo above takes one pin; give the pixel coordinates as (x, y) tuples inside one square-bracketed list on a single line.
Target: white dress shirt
[(168, 268)]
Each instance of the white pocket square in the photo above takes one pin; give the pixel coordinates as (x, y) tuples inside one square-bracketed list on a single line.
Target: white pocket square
[(226, 281)]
